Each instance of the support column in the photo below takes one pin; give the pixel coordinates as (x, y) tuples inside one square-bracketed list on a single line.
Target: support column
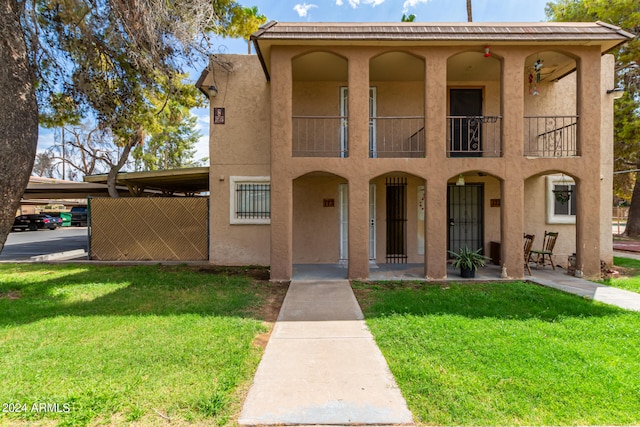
[(512, 105), (435, 226), (281, 182), (512, 227), (358, 107), (358, 227), (588, 226)]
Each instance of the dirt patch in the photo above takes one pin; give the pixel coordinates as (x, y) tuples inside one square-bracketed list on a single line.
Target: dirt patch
[(254, 271), (12, 295)]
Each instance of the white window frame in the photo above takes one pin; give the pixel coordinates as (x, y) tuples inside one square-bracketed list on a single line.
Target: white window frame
[(552, 217), (233, 184)]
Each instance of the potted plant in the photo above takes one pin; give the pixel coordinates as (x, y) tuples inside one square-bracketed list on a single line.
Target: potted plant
[(468, 261)]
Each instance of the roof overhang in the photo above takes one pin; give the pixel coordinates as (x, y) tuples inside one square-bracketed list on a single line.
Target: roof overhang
[(186, 181), (435, 34)]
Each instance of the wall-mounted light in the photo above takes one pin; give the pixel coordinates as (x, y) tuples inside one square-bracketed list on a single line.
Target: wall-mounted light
[(212, 90), (487, 51), (460, 182), (617, 92)]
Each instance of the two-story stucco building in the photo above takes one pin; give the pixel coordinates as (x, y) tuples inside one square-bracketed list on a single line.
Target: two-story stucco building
[(368, 144)]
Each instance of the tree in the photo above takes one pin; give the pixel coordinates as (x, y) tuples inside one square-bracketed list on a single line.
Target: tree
[(408, 18), (244, 23), (623, 13), (469, 15), (101, 56), (44, 165), (172, 134)]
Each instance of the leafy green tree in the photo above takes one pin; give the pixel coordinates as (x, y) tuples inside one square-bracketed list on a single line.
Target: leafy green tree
[(171, 134), (408, 18), (625, 14), (101, 57), (244, 23)]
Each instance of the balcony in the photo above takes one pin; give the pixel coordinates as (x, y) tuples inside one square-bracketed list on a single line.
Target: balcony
[(320, 136), (474, 136), (551, 136), (400, 137)]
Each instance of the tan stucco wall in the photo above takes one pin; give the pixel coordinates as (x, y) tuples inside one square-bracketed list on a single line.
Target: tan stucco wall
[(239, 147), (260, 144), (316, 227)]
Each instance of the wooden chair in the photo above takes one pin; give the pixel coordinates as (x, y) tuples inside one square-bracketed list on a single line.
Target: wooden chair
[(545, 254), (528, 243)]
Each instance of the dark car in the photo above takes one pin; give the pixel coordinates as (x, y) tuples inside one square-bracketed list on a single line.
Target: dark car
[(79, 216), (34, 222)]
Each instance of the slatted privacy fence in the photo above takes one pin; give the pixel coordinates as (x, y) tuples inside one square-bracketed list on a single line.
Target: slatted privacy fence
[(158, 229)]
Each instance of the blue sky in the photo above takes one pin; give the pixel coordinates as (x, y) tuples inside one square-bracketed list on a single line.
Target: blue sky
[(363, 11)]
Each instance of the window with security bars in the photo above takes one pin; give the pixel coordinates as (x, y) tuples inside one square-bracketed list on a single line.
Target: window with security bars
[(562, 198), (251, 201)]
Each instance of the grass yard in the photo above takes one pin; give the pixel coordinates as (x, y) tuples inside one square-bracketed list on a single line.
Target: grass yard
[(629, 278), (122, 345), (505, 354)]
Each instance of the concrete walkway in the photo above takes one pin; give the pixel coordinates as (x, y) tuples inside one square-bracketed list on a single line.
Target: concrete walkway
[(322, 366), (585, 288)]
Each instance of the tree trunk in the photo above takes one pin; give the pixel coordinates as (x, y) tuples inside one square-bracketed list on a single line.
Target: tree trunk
[(633, 221), (18, 115), (469, 16), (113, 172)]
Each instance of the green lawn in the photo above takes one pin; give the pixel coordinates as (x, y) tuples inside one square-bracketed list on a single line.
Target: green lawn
[(122, 344), (629, 278), (506, 354)]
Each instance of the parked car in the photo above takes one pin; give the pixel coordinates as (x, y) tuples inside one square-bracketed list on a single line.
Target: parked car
[(56, 219), (34, 222), (79, 216)]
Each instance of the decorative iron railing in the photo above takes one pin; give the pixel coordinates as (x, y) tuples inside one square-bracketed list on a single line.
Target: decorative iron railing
[(474, 136), (401, 136), (320, 136), (551, 136)]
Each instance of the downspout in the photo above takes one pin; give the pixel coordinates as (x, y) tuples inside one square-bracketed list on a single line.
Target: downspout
[(254, 38)]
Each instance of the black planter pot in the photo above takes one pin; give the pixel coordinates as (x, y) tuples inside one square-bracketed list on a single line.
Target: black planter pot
[(467, 273)]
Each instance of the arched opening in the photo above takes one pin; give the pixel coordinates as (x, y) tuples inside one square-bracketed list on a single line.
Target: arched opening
[(396, 105), (551, 105), (474, 91), (551, 200), (320, 225), (397, 226), (475, 219), (319, 125)]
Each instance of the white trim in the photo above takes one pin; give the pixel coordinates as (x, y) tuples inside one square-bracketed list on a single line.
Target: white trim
[(233, 181), (343, 206), (552, 217)]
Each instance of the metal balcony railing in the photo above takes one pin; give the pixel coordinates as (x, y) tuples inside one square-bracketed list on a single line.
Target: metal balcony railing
[(474, 136), (401, 136), (320, 136), (551, 136)]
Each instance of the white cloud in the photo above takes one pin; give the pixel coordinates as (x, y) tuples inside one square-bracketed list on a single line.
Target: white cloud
[(355, 3), (411, 3), (339, 3), (303, 9)]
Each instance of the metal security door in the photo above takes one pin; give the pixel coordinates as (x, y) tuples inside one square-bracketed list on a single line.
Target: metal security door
[(465, 106), (396, 220), (466, 216)]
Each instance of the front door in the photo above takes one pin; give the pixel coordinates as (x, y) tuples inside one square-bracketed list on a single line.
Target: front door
[(465, 107), (343, 208), (396, 220), (465, 216)]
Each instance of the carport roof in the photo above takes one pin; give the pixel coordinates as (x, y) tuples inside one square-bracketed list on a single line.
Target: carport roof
[(185, 181)]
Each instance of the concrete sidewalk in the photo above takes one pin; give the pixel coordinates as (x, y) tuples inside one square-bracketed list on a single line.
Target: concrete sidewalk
[(322, 366), (587, 289)]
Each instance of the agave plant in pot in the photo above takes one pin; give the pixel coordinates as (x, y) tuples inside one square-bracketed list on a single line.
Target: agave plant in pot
[(468, 261)]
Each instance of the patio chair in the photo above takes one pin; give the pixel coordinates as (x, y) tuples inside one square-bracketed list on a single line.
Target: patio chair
[(528, 243), (546, 253)]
